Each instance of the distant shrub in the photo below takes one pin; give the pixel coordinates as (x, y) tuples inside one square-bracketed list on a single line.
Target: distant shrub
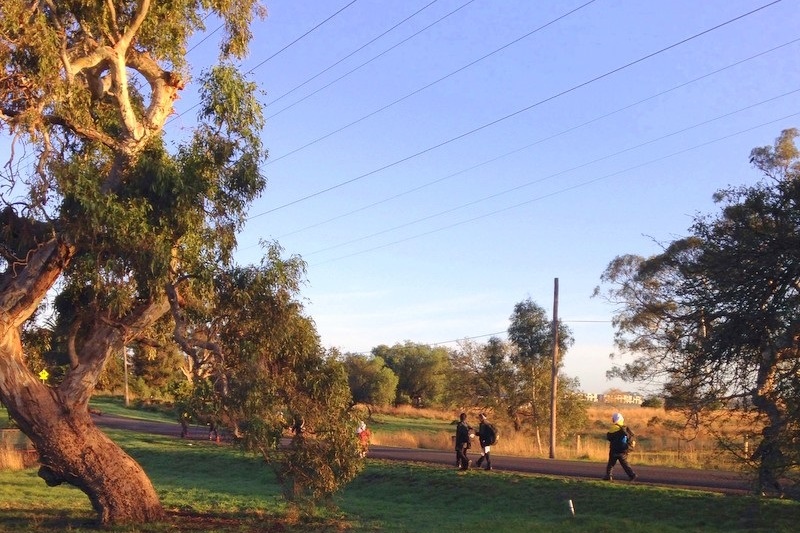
[(653, 401)]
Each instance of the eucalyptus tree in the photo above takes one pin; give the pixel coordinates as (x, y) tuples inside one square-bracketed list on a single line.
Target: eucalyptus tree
[(481, 375), (421, 370), (371, 381), (104, 216), (531, 334), (716, 314), (270, 377)]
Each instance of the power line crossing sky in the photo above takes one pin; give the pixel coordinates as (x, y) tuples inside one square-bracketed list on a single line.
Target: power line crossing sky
[(437, 162)]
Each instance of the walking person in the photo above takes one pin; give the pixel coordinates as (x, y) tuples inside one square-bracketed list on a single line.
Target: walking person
[(463, 432), (486, 436), (364, 435), (620, 441)]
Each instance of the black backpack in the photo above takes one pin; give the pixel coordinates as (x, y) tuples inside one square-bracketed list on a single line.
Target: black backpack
[(493, 436)]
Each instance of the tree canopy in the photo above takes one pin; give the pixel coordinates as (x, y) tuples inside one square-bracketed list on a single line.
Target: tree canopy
[(513, 379), (371, 381), (421, 370), (531, 333), (121, 240), (716, 315)]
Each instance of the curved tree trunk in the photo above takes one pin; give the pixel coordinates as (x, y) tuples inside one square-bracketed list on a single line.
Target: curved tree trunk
[(72, 449), (56, 419), (768, 454)]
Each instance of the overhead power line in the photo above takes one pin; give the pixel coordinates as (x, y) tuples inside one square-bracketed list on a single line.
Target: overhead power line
[(503, 333), (539, 180), (351, 54), (515, 113), (178, 115), (301, 37), (362, 65), (537, 142), (560, 191), (205, 38), (209, 34), (429, 85)]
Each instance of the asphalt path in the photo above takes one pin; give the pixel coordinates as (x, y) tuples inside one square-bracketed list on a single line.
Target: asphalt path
[(709, 480)]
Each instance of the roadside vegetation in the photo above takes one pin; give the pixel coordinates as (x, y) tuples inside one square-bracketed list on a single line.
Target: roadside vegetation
[(663, 437), (207, 487)]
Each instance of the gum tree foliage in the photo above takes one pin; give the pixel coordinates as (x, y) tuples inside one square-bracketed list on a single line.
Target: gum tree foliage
[(486, 376), (531, 334), (262, 373), (421, 370), (99, 215), (371, 381), (716, 315), (482, 375)]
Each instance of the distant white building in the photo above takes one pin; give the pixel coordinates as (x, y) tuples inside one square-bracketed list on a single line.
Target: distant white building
[(590, 397)]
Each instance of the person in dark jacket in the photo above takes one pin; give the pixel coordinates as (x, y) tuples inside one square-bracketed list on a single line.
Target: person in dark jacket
[(463, 433), (486, 438), (619, 438)]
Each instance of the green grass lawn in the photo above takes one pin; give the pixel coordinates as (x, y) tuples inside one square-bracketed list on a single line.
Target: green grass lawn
[(392, 424), (115, 405), (4, 421), (208, 487)]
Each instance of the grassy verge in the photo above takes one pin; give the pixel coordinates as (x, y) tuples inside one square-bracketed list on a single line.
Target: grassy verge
[(206, 487), (663, 438), (115, 405), (405, 498)]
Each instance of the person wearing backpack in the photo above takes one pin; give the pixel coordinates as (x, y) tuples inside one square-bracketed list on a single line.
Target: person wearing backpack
[(487, 435), (620, 442)]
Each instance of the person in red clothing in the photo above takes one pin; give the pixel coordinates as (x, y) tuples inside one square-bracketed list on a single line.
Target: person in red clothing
[(363, 438)]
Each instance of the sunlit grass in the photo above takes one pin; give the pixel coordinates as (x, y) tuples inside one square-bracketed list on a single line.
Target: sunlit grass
[(10, 458), (115, 405), (411, 497), (209, 487)]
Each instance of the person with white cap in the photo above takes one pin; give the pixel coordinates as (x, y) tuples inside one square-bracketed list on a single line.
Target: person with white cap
[(620, 439), (487, 435)]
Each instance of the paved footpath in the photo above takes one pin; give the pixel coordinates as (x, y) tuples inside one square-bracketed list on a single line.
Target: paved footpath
[(711, 480)]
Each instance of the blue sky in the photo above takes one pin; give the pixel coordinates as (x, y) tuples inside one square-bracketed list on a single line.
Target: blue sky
[(437, 171), (436, 162)]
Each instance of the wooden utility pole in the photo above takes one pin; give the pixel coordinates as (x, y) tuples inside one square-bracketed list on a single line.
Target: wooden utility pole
[(125, 367), (554, 376)]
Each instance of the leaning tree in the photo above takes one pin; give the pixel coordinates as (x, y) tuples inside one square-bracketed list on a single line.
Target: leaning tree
[(716, 315), (98, 217), (262, 373)]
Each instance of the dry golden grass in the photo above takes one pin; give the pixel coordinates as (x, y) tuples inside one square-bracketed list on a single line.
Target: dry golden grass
[(408, 411), (16, 451), (11, 458), (663, 437)]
